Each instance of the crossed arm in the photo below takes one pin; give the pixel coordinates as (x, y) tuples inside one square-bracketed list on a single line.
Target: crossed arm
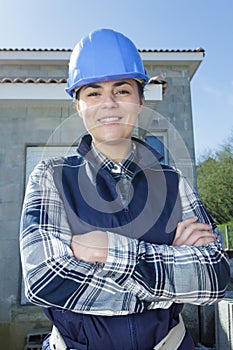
[(188, 232), (59, 270)]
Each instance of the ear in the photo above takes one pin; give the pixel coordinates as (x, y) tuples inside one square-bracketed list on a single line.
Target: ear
[(78, 109), (141, 104)]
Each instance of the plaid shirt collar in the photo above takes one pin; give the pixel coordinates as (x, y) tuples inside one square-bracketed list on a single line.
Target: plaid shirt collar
[(125, 167)]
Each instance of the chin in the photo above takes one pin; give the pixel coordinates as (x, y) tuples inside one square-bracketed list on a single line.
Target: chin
[(111, 140)]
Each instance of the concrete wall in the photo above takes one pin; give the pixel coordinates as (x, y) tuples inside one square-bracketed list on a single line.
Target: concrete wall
[(22, 123), (176, 107), (26, 70)]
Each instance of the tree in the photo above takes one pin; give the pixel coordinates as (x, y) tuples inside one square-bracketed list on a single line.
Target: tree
[(215, 183)]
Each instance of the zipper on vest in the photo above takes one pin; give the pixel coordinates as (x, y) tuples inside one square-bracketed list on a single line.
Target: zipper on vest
[(133, 332), (125, 192)]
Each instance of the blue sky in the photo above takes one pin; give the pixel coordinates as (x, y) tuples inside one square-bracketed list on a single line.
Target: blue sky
[(151, 24)]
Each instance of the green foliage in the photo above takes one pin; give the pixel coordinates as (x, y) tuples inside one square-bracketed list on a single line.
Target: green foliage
[(227, 232), (215, 183)]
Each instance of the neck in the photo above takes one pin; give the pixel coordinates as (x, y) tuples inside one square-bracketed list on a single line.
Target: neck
[(115, 150)]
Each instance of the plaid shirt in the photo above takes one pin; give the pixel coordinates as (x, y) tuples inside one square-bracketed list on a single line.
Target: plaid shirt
[(53, 277), (123, 168)]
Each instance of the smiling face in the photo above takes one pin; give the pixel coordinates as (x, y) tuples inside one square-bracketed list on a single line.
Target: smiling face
[(110, 110)]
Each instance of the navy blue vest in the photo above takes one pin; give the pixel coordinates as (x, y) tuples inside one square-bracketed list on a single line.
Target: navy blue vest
[(93, 202)]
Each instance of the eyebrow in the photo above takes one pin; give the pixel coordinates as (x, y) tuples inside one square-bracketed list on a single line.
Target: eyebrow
[(119, 83), (97, 86)]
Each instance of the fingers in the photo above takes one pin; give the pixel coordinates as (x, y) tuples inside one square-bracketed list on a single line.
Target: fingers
[(190, 232), (205, 240), (182, 226), (199, 238)]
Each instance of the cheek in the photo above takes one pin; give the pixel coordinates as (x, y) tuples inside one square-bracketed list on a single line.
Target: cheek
[(81, 108), (134, 110), (89, 117)]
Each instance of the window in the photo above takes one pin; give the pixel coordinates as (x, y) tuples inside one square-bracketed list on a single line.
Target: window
[(158, 141), (34, 154)]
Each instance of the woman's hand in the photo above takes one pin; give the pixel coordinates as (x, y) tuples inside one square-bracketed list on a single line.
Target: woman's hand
[(90, 247), (190, 232)]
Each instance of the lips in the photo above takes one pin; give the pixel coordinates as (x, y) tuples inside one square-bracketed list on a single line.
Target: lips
[(109, 120)]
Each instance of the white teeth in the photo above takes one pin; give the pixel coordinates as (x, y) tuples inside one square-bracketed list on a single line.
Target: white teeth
[(109, 119)]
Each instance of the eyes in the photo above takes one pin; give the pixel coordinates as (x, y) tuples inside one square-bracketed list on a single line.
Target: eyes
[(96, 91), (119, 92)]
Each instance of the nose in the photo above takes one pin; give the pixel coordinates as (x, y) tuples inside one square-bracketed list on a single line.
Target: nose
[(109, 100)]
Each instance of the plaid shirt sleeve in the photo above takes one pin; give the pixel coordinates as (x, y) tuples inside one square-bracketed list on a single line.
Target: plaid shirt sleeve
[(162, 273), (51, 273)]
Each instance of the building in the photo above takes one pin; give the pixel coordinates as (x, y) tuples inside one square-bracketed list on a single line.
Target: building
[(38, 120)]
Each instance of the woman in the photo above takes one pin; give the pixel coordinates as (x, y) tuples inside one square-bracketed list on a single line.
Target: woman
[(113, 242)]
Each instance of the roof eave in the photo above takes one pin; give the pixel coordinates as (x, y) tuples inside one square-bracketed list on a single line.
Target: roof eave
[(190, 58)]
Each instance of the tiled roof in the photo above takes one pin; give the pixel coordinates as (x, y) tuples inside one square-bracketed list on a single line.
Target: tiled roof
[(33, 80), (70, 50), (200, 49), (34, 50)]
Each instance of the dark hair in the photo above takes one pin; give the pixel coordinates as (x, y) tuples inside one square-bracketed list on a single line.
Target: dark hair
[(140, 91), (76, 96)]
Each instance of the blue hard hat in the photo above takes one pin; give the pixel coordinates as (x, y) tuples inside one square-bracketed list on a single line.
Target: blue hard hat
[(101, 56)]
